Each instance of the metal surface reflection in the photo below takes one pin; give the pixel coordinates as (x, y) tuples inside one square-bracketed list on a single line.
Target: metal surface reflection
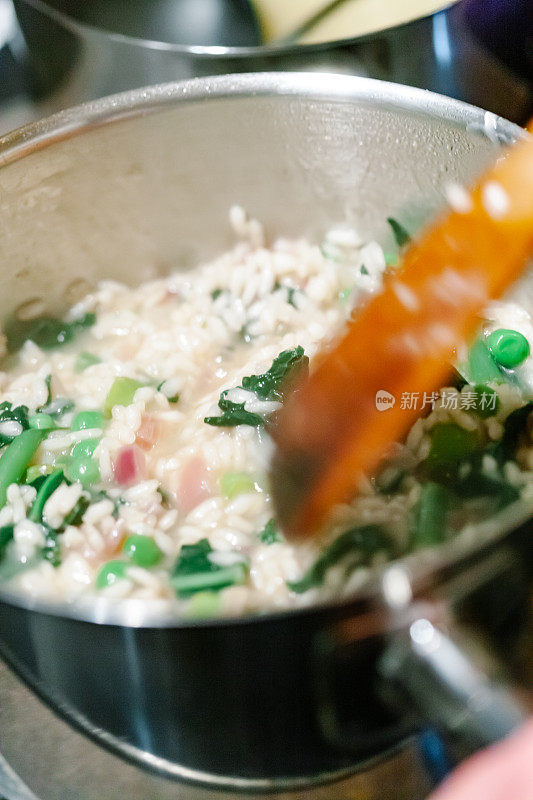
[(473, 51)]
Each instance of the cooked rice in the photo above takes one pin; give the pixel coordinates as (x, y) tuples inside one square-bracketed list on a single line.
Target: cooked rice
[(196, 335)]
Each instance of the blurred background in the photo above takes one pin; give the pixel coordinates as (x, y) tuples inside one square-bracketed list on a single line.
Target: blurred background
[(56, 53)]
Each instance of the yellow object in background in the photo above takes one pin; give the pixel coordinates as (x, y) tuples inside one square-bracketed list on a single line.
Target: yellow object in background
[(281, 18)]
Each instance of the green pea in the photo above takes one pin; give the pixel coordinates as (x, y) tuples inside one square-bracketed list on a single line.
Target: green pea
[(87, 419), (84, 470), (84, 449), (142, 550), (121, 393), (509, 348), (111, 573), (84, 360), (41, 422)]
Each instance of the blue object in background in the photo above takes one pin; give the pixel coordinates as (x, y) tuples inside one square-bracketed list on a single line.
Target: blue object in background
[(434, 753)]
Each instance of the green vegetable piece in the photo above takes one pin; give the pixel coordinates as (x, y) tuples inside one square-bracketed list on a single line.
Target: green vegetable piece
[(16, 458), (52, 549), (87, 419), (8, 413), (142, 550), (84, 448), (42, 422), (514, 426), (234, 414), (391, 259), (235, 483), (46, 332), (487, 401), (476, 483), (121, 393), (481, 367), (75, 517), (270, 533), (203, 605), (6, 535), (357, 547), (401, 235), (291, 294), (36, 472), (84, 470), (46, 489), (431, 516), (450, 443), (48, 382), (509, 348), (194, 572), (111, 573), (58, 407), (185, 585), (273, 383), (345, 295), (216, 294), (84, 360)]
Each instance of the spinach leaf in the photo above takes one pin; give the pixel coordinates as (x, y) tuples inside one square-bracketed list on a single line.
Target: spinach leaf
[(357, 547), (234, 414), (58, 407), (194, 572), (270, 533), (271, 385), (46, 332), (75, 516), (6, 535), (401, 235), (45, 490), (286, 367), (9, 414), (52, 550), (513, 427)]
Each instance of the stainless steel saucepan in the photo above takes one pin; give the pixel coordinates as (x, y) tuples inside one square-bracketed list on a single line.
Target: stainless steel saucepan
[(131, 187), (474, 50)]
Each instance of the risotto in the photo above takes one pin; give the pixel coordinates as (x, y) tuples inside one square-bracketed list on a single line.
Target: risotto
[(135, 444)]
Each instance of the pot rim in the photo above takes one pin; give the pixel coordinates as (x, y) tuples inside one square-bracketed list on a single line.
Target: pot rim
[(421, 569), (216, 52)]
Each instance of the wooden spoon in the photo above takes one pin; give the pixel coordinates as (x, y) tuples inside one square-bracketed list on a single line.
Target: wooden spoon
[(333, 430)]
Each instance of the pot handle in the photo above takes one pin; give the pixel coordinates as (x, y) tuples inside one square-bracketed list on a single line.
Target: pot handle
[(432, 675)]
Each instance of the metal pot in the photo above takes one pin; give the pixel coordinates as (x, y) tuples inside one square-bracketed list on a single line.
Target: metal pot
[(135, 185), (474, 50)]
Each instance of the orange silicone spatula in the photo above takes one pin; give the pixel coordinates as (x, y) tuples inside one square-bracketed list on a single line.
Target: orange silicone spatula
[(334, 429)]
